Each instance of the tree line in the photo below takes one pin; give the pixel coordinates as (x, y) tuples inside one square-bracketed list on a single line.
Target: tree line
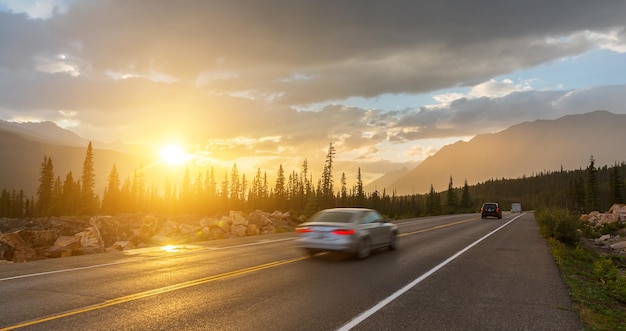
[(297, 192)]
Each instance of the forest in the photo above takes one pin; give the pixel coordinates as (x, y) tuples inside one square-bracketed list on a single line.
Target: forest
[(581, 191)]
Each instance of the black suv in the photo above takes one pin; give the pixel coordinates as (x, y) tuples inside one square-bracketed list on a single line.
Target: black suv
[(491, 209)]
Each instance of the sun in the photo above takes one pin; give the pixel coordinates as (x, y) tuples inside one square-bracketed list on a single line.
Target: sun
[(173, 154)]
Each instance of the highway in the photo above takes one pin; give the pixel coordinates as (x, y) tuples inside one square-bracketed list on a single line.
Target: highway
[(456, 272)]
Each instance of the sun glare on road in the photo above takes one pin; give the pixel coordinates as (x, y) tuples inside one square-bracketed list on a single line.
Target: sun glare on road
[(174, 154), (169, 248)]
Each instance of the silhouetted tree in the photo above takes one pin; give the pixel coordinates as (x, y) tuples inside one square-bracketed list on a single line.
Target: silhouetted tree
[(280, 189), (327, 189), (451, 198), (593, 187), (46, 185), (432, 201), (360, 192), (466, 200), (111, 196), (88, 196), (343, 195)]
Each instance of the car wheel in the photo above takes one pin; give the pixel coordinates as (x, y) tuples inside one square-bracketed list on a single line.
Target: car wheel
[(311, 252), (393, 243), (364, 250)]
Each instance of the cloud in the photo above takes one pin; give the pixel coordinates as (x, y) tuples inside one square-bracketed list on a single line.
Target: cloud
[(230, 76), (471, 116)]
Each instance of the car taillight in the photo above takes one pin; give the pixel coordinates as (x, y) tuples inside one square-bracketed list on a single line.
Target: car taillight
[(344, 232), (303, 230), (482, 210), (497, 210)]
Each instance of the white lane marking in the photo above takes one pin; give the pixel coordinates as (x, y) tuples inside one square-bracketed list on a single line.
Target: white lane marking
[(366, 314), (144, 259)]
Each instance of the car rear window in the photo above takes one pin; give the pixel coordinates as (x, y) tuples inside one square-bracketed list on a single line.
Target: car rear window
[(332, 217)]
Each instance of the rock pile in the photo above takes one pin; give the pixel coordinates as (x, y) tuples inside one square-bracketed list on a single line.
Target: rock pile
[(617, 214), (32, 239)]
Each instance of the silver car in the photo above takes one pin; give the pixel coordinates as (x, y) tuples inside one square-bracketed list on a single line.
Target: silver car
[(352, 230)]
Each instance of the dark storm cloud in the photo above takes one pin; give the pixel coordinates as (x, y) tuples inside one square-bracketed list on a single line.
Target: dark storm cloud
[(346, 48)]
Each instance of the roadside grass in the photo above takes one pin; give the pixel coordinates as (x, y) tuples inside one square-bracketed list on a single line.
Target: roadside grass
[(597, 284)]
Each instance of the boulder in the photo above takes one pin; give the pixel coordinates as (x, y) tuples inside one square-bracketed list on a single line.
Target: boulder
[(66, 236), (603, 240), (253, 230), (16, 248), (63, 246), (239, 230), (597, 219), (39, 238), (90, 238), (618, 246), (7, 251), (122, 245)]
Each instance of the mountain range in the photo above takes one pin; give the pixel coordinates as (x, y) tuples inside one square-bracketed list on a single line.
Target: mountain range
[(23, 147), (524, 149)]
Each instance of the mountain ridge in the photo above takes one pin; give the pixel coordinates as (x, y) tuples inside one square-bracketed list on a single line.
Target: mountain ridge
[(23, 155), (521, 150)]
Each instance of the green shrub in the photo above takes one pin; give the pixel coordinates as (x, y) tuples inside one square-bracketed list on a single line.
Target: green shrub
[(559, 224), (609, 275), (604, 270), (588, 230), (611, 228)]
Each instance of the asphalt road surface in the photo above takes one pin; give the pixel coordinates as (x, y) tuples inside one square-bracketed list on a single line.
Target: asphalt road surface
[(456, 272)]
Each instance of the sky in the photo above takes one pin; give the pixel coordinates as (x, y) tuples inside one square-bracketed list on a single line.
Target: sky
[(259, 83)]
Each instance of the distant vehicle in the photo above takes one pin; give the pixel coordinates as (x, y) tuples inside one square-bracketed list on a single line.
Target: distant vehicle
[(491, 209), (352, 230), (516, 207)]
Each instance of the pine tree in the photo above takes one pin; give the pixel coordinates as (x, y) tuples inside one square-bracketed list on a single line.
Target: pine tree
[(211, 192), (327, 189), (235, 187), (88, 196), (360, 193), (466, 201), (70, 195), (244, 188), (46, 185), (56, 203), (256, 196), (593, 187), (280, 194), (432, 201), (451, 198), (344, 190), (111, 197), (224, 192)]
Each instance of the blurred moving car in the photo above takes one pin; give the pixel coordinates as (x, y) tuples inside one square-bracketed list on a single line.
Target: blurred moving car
[(352, 230), (516, 207), (491, 209)]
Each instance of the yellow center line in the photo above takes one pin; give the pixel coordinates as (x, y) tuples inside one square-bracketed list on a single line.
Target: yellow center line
[(145, 294), (437, 227)]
